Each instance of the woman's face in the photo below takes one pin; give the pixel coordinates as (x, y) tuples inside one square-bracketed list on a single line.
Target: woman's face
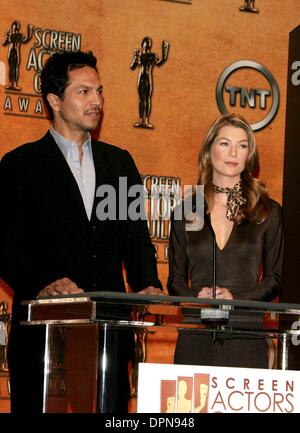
[(229, 153)]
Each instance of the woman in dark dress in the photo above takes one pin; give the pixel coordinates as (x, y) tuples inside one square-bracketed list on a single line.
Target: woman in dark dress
[(249, 245)]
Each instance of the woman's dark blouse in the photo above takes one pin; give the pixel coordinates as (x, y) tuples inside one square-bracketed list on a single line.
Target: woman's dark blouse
[(250, 264)]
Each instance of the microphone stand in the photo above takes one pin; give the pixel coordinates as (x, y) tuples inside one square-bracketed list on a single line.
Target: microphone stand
[(213, 235), (214, 314)]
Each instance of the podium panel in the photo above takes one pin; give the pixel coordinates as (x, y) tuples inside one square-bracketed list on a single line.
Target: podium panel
[(71, 368), (86, 339)]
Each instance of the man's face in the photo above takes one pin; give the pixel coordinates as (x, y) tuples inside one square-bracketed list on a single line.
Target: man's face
[(82, 103)]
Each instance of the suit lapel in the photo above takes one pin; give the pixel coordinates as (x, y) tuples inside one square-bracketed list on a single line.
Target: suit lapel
[(61, 175), (104, 175), (101, 166)]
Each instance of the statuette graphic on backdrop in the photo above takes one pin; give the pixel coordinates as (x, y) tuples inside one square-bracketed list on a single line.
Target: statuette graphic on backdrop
[(249, 6), (14, 39), (4, 331), (145, 59)]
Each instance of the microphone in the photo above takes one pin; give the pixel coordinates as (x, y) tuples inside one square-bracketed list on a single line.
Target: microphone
[(220, 314), (214, 273)]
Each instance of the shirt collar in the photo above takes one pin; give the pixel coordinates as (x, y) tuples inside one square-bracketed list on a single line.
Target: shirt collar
[(69, 147)]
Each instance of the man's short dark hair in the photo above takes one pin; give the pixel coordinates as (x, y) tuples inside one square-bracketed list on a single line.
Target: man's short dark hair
[(55, 74)]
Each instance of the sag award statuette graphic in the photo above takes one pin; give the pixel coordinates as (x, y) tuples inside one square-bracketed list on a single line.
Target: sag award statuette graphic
[(249, 6), (146, 60), (4, 329), (14, 39)]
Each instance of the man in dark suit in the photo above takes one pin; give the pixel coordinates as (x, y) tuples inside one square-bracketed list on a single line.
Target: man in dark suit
[(54, 237)]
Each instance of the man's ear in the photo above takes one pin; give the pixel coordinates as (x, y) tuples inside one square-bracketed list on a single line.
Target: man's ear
[(54, 101)]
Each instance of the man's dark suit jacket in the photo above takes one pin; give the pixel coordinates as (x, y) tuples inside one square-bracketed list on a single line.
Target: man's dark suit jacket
[(45, 234)]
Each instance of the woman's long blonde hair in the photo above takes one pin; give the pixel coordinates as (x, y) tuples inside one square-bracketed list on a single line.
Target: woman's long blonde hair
[(257, 206)]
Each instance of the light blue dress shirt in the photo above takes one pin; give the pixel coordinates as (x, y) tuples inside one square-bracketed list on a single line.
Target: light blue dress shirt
[(83, 173)]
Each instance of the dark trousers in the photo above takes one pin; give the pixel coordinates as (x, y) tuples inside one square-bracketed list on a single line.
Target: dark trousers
[(26, 365), (219, 350)]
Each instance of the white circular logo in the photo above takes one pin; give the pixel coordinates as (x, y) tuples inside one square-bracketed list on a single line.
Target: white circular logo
[(249, 97)]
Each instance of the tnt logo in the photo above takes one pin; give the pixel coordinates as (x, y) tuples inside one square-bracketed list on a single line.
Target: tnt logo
[(251, 97), (250, 89)]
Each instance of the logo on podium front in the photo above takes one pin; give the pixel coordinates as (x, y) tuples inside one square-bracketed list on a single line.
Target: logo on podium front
[(171, 388)]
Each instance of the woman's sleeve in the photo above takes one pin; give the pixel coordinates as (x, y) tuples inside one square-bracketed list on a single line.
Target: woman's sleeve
[(272, 259), (178, 260)]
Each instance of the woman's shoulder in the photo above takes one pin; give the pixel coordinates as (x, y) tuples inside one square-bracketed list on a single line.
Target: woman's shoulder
[(274, 205), (275, 210)]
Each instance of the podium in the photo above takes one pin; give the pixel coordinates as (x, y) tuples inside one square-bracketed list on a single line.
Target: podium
[(79, 331)]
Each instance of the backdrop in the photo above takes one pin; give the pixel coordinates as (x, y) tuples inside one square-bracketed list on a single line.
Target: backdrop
[(220, 58)]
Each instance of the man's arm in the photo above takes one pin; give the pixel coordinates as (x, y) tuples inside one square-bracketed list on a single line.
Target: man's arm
[(139, 252), (10, 220)]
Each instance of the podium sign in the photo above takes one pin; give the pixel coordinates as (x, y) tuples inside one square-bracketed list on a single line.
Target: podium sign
[(165, 388)]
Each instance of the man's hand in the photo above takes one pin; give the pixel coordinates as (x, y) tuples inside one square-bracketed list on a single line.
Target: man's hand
[(221, 293), (64, 286), (150, 290), (205, 292)]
